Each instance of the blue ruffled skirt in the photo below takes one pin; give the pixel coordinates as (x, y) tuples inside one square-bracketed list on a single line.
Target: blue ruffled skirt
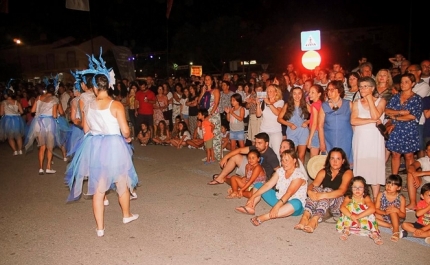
[(75, 136), (63, 130), (43, 129), (106, 160), (12, 127)]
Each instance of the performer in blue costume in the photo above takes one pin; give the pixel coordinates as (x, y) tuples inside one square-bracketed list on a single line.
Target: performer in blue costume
[(104, 155)]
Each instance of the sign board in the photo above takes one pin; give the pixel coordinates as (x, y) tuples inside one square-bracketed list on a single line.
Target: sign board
[(196, 70), (311, 40), (183, 67), (125, 65)]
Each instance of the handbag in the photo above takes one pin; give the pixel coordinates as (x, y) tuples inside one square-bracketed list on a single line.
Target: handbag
[(165, 113)]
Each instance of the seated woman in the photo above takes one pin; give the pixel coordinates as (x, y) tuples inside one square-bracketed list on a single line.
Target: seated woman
[(197, 141), (183, 135), (254, 173), (327, 190), (162, 135), (288, 198), (144, 135)]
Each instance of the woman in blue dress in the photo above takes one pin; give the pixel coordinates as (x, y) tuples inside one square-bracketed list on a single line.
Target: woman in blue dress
[(104, 155), (404, 110), (12, 125), (334, 121)]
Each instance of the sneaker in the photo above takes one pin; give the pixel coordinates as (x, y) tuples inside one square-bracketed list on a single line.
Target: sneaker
[(15, 153), (403, 234), (202, 148), (127, 220), (133, 196), (427, 240), (204, 159), (20, 152), (191, 147), (100, 233), (41, 172), (50, 171), (106, 202)]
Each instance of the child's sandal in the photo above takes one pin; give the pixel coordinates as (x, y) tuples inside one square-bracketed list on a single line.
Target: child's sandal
[(345, 234), (395, 237), (376, 238)]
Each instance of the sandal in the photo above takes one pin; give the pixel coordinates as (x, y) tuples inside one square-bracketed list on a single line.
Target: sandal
[(376, 238), (345, 234), (255, 221), (395, 237)]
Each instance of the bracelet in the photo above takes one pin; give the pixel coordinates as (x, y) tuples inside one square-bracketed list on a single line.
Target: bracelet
[(282, 200)]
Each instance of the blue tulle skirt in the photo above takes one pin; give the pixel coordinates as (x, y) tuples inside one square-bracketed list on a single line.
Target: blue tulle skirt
[(12, 127), (43, 129), (106, 160), (63, 130), (75, 136)]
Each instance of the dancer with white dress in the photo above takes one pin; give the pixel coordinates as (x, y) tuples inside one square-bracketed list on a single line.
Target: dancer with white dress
[(104, 154)]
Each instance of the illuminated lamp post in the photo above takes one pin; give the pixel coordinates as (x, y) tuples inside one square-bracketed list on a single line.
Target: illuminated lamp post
[(18, 42), (311, 59)]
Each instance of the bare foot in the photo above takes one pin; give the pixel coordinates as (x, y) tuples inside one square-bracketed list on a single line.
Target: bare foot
[(232, 195)]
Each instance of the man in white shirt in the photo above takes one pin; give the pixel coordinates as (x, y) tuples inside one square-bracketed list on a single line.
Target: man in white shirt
[(425, 71)]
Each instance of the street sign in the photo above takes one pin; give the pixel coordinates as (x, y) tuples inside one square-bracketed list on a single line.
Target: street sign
[(311, 40)]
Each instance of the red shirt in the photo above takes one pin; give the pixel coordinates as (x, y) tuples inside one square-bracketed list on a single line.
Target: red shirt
[(145, 108)]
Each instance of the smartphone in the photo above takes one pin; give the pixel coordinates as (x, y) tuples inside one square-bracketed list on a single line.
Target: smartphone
[(261, 95)]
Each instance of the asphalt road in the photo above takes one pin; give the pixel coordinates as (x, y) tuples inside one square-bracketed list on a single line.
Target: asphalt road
[(182, 221)]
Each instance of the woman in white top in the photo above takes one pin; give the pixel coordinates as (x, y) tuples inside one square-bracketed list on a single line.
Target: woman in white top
[(12, 125), (269, 109), (44, 129), (104, 155)]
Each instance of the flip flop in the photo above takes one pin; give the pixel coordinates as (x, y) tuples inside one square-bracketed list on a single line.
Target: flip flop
[(243, 210), (215, 182), (214, 176), (255, 221)]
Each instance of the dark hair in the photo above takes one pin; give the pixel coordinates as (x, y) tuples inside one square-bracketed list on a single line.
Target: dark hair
[(349, 192), (345, 165), (367, 79), (292, 145), (424, 188), (427, 144), (264, 136), (225, 82), (204, 112), (354, 74), (50, 89), (89, 80), (238, 98), (164, 130), (394, 179), (184, 129), (291, 108), (254, 151), (410, 76), (320, 89), (102, 82), (339, 86), (10, 93), (142, 82)]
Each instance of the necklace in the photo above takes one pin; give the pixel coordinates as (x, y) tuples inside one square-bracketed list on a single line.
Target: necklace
[(335, 106)]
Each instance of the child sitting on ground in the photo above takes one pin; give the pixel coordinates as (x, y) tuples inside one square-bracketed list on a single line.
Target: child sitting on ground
[(225, 142), (175, 130), (421, 227), (358, 212), (208, 135), (162, 135), (183, 135), (197, 141), (391, 206), (254, 173), (144, 135)]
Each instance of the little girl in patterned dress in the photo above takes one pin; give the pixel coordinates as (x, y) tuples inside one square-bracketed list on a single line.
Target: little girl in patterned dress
[(391, 206), (358, 212), (254, 173)]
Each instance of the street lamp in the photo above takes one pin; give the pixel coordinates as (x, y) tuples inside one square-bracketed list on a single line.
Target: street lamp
[(18, 42)]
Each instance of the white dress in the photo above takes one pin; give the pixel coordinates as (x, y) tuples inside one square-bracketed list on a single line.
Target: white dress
[(369, 149)]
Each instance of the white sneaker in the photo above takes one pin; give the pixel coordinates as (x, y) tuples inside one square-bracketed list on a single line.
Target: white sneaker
[(100, 233), (15, 153), (202, 148), (127, 220), (20, 152), (106, 202), (50, 171), (133, 196), (204, 159), (41, 172), (191, 147)]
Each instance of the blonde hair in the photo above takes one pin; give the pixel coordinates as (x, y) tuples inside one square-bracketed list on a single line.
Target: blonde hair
[(389, 78), (277, 90)]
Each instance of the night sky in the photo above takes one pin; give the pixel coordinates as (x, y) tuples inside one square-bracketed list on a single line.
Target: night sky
[(142, 24)]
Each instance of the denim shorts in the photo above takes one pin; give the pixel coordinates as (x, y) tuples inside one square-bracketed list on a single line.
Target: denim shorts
[(237, 135), (315, 141), (185, 116)]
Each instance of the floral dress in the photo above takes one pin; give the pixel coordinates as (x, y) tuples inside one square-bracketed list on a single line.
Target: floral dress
[(405, 138), (215, 118), (364, 227), (158, 112)]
